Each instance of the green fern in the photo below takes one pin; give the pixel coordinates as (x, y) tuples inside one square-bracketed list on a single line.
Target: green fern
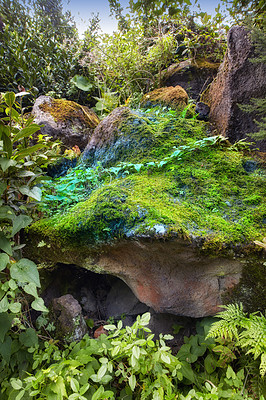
[(230, 321), (249, 333)]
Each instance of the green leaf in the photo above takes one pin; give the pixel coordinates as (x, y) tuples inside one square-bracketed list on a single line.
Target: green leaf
[(5, 324), (136, 352), (25, 271), (5, 349), (210, 364), (165, 358), (20, 222), (16, 384), (102, 371), (6, 212), (5, 163), (26, 132), (20, 395), (74, 385), (29, 150), (29, 338), (3, 187), (15, 308), (81, 82), (97, 395), (59, 388), (4, 260), (38, 305), (132, 382), (9, 98), (31, 289), (5, 244), (35, 192), (7, 145)]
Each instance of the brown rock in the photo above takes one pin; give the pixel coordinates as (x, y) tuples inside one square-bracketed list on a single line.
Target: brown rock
[(68, 319), (65, 120), (171, 276), (238, 81), (193, 76), (175, 97)]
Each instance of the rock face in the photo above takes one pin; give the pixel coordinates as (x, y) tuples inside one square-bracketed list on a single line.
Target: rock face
[(65, 120), (70, 324), (238, 81), (174, 97), (118, 137), (193, 76), (176, 227), (169, 276)]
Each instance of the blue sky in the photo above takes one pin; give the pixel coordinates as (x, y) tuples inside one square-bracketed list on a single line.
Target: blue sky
[(82, 11)]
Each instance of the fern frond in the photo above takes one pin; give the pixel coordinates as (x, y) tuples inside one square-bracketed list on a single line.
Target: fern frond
[(254, 335), (232, 320)]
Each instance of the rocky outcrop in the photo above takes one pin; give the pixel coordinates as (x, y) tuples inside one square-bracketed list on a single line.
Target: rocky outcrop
[(176, 224), (193, 75), (118, 137), (238, 80), (65, 120), (174, 97), (168, 275), (67, 315)]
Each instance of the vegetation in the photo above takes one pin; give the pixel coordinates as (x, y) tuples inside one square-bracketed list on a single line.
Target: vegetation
[(170, 171)]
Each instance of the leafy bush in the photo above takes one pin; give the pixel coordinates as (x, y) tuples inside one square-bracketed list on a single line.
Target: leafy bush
[(20, 174), (126, 364)]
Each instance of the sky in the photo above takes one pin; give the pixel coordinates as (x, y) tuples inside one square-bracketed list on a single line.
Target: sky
[(82, 11)]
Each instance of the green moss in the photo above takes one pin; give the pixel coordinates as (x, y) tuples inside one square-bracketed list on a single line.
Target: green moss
[(207, 194)]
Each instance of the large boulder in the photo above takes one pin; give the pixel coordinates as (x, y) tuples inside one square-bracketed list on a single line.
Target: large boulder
[(178, 222), (65, 120), (118, 137), (238, 80), (192, 75), (174, 97)]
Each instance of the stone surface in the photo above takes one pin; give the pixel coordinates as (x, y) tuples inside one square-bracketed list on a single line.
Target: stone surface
[(168, 275), (203, 110), (193, 76), (238, 81), (174, 97), (111, 142), (65, 120), (121, 300), (68, 319)]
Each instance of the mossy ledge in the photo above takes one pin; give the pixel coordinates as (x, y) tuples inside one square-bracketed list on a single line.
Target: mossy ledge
[(213, 196)]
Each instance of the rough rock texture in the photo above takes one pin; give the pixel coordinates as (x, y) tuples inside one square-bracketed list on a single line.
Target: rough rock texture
[(111, 142), (193, 76), (174, 97), (120, 300), (65, 120), (66, 312), (238, 81), (170, 276), (177, 229)]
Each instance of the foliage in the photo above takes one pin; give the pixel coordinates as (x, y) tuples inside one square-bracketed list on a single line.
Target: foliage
[(127, 364), (36, 55), (247, 333), (20, 161)]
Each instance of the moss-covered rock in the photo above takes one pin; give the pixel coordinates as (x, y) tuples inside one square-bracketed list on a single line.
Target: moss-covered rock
[(174, 97), (193, 75), (65, 120), (186, 219)]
